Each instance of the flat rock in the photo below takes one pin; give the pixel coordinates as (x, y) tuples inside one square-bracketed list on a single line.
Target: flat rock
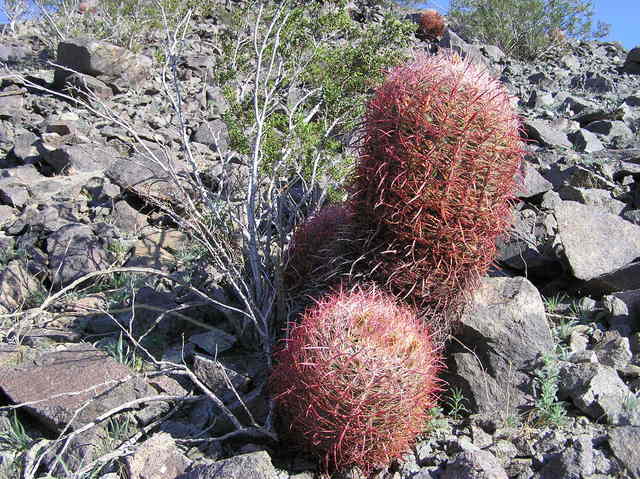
[(534, 183), (504, 331), (545, 134), (157, 458), (586, 235), (149, 177), (90, 374), (256, 465), (80, 158), (624, 445), (74, 250), (597, 391), (109, 63), (474, 464)]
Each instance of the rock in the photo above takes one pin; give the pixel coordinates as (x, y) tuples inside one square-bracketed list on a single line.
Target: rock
[(597, 391), (585, 141), (593, 197), (74, 250), (594, 82), (545, 134), (528, 248), (623, 442), (632, 62), (16, 285), (217, 104), (101, 383), (126, 218), (575, 460), (613, 133), (452, 41), (157, 458), (87, 87), (80, 158), (504, 331), (534, 183), (614, 351), (13, 192), (156, 249), (214, 341), (474, 464), (624, 278), (255, 465), (214, 134), (584, 231), (111, 64), (149, 177)]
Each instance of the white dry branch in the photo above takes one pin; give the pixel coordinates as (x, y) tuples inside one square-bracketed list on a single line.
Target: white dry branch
[(243, 231)]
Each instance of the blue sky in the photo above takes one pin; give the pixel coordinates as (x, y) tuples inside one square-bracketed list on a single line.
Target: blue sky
[(622, 15)]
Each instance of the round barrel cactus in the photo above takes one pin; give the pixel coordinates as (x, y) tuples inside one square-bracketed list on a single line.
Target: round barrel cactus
[(355, 379), (439, 164)]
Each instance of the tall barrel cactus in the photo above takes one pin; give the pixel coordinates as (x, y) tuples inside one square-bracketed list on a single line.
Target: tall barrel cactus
[(439, 164)]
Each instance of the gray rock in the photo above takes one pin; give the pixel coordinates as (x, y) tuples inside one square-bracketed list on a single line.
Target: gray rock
[(126, 218), (111, 64), (585, 141), (148, 177), (504, 331), (573, 462), (611, 131), (576, 105), (585, 234), (13, 192), (474, 464), (632, 62), (80, 158), (100, 381), (593, 197), (157, 458), (528, 248), (452, 41), (24, 148), (594, 82), (74, 250), (16, 285), (624, 278), (624, 445), (214, 134), (613, 350), (87, 87), (255, 465), (597, 391), (632, 216), (545, 134), (215, 341), (217, 104), (534, 183)]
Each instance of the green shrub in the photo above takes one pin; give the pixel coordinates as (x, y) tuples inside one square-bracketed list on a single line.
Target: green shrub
[(524, 28)]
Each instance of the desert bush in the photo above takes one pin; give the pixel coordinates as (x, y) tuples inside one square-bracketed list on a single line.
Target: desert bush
[(523, 28), (438, 167), (355, 379), (337, 62), (432, 25)]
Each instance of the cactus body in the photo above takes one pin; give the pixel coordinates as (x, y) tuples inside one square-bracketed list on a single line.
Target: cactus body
[(355, 379), (439, 165)]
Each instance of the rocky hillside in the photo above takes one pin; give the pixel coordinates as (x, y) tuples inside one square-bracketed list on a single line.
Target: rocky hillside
[(139, 235)]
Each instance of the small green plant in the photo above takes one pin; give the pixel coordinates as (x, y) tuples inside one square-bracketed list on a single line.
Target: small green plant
[(455, 402), (15, 437), (631, 402), (124, 354), (548, 409), (552, 303)]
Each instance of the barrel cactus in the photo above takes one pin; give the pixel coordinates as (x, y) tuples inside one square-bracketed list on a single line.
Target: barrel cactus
[(355, 379), (439, 164)]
